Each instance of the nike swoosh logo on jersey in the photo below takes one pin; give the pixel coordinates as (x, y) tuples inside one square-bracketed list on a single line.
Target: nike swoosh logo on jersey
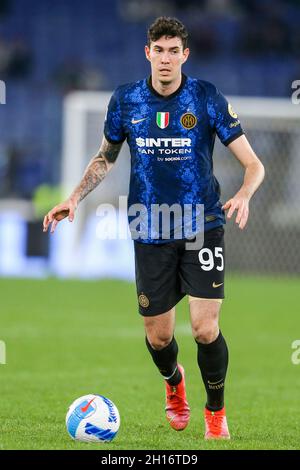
[(217, 285), (135, 121), (86, 407)]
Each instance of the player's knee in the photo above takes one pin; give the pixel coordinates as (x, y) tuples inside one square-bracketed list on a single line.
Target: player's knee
[(159, 342), (205, 334)]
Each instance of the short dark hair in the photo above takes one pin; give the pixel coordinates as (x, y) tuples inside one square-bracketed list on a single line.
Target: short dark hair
[(167, 26)]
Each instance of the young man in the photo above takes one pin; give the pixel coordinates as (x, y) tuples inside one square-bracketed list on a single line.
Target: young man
[(170, 122)]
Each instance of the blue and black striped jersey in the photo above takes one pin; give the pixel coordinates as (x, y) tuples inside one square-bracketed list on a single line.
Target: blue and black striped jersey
[(171, 142)]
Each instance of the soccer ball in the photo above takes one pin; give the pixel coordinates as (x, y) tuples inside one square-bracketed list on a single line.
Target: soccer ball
[(93, 418)]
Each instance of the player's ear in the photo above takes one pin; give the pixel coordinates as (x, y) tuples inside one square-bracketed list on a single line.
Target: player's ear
[(186, 53), (147, 52)]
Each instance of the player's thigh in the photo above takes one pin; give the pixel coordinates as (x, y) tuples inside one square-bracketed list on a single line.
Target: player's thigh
[(157, 282), (204, 316), (159, 329), (202, 271)]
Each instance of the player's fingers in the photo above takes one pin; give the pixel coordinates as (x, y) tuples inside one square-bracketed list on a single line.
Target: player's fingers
[(51, 215), (240, 212), (71, 214), (45, 223), (53, 226), (227, 205), (244, 219), (231, 210), (56, 210)]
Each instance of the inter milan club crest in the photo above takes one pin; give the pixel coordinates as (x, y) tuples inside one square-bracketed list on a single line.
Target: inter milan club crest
[(144, 301), (188, 120), (162, 120)]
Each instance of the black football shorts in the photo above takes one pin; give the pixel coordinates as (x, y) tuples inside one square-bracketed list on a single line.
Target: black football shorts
[(166, 272)]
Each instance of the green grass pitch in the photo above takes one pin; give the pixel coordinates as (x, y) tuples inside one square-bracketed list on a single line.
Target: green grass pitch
[(65, 339)]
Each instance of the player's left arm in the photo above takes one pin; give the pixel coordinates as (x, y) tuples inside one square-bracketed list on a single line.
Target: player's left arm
[(253, 177)]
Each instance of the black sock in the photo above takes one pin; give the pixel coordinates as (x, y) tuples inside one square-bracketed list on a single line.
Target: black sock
[(166, 361), (213, 362)]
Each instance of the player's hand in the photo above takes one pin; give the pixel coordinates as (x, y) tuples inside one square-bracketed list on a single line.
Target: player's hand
[(240, 204), (58, 213)]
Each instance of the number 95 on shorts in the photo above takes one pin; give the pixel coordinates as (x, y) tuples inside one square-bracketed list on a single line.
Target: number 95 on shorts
[(166, 273), (201, 272)]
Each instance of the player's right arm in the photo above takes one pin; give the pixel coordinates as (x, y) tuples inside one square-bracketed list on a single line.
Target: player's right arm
[(95, 172)]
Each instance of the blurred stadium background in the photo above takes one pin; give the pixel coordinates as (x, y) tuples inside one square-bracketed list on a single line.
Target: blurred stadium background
[(50, 50), (60, 60)]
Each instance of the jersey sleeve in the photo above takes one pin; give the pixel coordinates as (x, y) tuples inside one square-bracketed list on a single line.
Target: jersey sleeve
[(113, 125), (223, 118)]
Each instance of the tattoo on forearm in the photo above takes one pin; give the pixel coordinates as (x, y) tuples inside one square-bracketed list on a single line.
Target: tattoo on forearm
[(110, 151), (94, 174), (97, 169)]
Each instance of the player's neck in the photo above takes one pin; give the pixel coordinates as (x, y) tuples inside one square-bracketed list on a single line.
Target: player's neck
[(166, 89)]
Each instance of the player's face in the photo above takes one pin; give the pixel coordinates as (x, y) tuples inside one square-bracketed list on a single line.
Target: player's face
[(166, 56)]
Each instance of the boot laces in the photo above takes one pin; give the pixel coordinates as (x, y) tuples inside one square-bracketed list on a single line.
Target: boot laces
[(176, 402), (215, 421)]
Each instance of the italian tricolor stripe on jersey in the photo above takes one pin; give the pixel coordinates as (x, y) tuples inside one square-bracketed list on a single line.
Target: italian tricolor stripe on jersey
[(162, 120)]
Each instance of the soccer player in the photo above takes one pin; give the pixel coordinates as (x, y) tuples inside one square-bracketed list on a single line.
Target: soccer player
[(170, 122)]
